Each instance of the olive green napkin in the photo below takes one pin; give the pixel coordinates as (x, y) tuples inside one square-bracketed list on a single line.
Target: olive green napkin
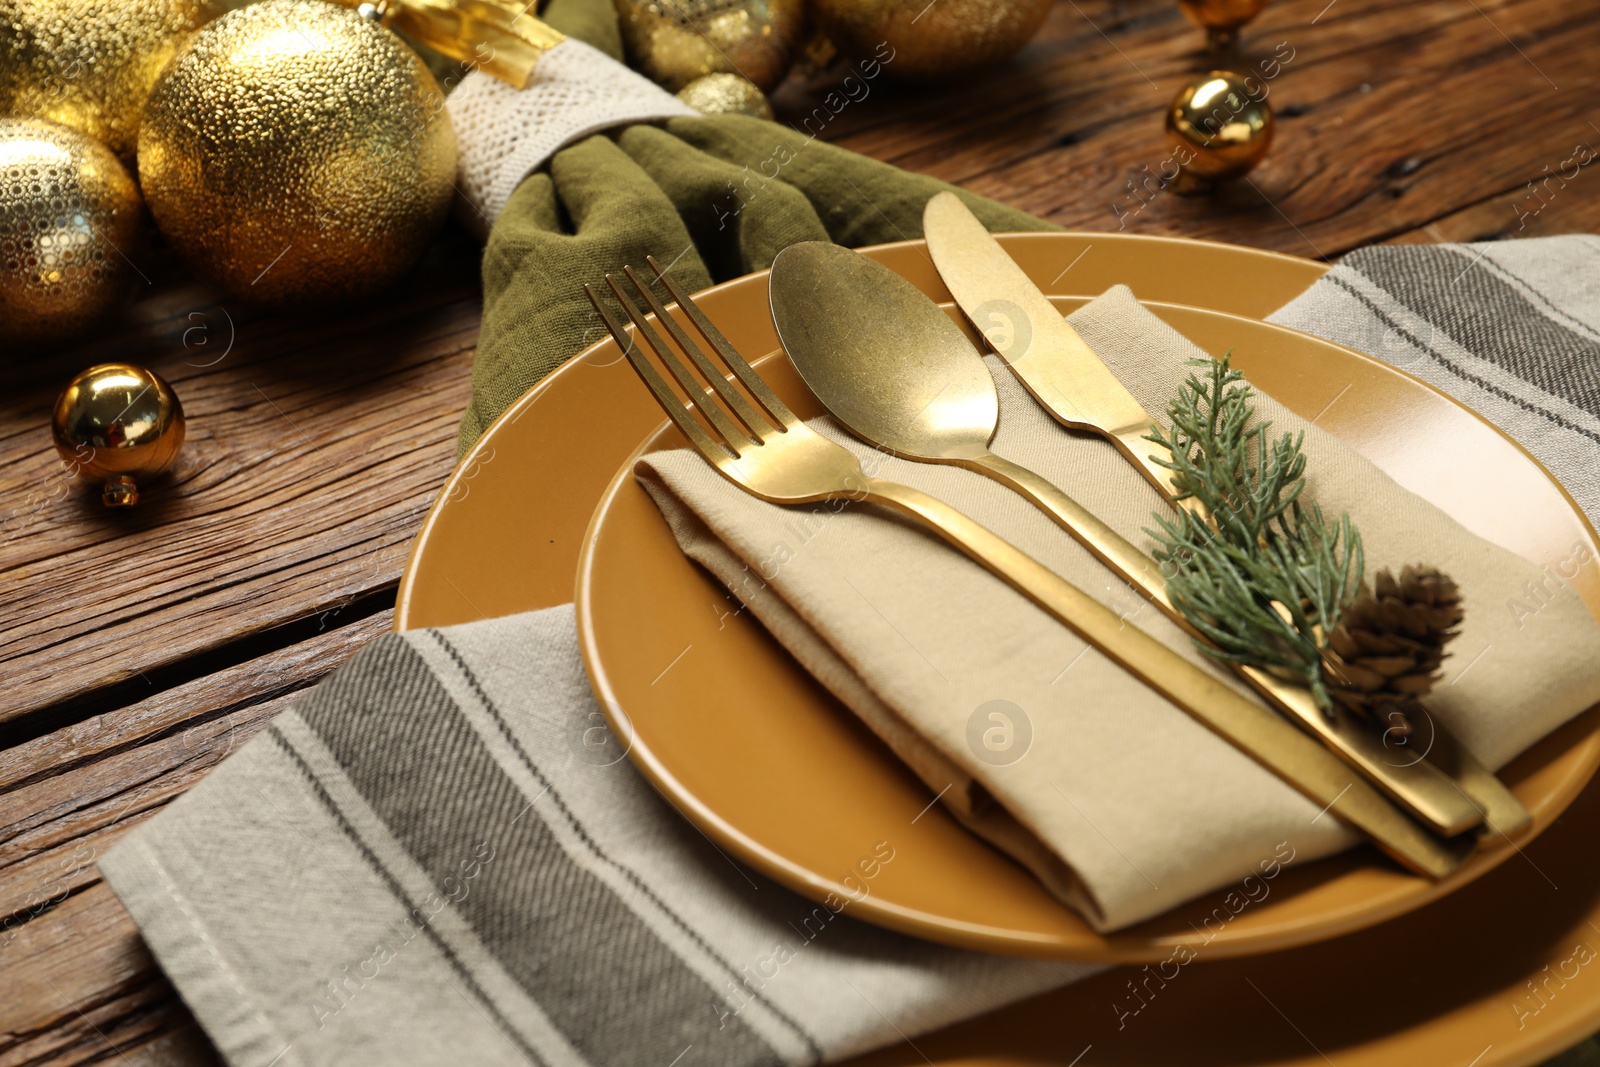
[(712, 197)]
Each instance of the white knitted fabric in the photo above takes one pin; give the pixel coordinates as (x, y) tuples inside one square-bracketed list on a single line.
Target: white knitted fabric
[(505, 134)]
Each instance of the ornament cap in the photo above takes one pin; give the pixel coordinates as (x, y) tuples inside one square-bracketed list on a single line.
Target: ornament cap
[(120, 492)]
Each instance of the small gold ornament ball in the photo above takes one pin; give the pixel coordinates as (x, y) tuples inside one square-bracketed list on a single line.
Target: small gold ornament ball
[(297, 152), (921, 42), (676, 41), (725, 94), (89, 64), (1221, 18), (1219, 127), (117, 424), (70, 219)]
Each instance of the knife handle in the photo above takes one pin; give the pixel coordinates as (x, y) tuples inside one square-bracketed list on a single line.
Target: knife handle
[(1267, 738), (1419, 786)]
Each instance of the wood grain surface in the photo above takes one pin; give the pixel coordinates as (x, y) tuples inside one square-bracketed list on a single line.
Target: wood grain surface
[(139, 649)]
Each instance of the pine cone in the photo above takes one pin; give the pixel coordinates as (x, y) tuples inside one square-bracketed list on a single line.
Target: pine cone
[(1389, 644)]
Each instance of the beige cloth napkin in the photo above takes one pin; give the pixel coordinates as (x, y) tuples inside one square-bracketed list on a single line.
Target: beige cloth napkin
[(1121, 804)]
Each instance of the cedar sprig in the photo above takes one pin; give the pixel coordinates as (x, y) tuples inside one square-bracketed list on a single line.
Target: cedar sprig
[(1268, 576)]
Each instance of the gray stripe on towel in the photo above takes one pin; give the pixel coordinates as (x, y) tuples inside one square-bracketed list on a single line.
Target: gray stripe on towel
[(559, 930), (1488, 316)]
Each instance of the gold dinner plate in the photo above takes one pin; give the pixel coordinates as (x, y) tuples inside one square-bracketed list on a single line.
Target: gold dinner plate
[(786, 779)]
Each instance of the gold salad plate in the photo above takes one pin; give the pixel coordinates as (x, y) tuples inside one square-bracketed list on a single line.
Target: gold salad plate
[(781, 776)]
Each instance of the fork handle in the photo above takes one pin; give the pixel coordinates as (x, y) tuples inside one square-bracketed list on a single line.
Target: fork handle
[(1418, 786), (1267, 738)]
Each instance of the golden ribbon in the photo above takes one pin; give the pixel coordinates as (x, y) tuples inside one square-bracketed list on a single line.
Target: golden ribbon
[(502, 38)]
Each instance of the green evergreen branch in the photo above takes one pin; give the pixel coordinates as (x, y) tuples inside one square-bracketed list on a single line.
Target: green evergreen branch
[(1261, 551)]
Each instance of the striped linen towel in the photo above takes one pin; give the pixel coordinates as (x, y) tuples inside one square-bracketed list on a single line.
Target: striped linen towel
[(423, 862)]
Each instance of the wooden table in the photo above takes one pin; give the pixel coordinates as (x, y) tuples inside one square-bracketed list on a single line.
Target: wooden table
[(139, 649)]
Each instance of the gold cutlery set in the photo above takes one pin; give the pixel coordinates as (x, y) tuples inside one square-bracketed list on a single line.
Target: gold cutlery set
[(897, 372)]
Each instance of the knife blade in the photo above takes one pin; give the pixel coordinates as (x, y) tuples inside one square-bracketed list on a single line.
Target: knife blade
[(1047, 355), (1072, 383)]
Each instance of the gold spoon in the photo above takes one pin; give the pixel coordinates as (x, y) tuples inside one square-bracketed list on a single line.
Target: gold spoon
[(891, 366)]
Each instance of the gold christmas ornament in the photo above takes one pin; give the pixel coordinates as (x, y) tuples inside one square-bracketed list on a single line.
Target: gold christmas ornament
[(921, 42), (297, 152), (725, 94), (118, 423), (70, 218), (89, 64), (1225, 124), (1221, 19), (676, 41)]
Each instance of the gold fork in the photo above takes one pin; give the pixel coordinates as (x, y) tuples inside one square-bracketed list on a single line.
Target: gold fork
[(764, 449)]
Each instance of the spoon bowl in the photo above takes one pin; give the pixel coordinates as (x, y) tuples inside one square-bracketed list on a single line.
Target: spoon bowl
[(885, 360)]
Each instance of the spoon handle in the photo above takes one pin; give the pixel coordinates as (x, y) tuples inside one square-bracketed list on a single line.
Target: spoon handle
[(1109, 547), (1418, 785), (1267, 738)]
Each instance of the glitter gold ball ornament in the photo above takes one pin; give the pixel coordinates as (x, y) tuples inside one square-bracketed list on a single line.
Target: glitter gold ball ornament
[(297, 152), (921, 42), (118, 424), (726, 94), (676, 41), (1222, 18), (1219, 126), (70, 218), (89, 64)]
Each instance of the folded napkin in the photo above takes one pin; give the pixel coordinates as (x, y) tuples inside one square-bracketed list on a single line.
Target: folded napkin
[(1123, 805)]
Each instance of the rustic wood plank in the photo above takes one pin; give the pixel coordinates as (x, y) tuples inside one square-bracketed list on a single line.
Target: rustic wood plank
[(315, 446), (102, 995), (1391, 116), (65, 797)]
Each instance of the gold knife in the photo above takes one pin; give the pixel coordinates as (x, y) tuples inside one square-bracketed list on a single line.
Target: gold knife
[(1065, 376)]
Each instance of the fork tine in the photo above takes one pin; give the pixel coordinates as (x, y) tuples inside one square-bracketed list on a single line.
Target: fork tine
[(736, 438), (669, 401), (730, 355), (759, 425)]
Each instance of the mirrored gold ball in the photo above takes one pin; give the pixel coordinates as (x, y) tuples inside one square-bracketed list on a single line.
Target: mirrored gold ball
[(89, 64), (118, 423), (70, 222), (1219, 126), (676, 41), (297, 152), (725, 94), (921, 42)]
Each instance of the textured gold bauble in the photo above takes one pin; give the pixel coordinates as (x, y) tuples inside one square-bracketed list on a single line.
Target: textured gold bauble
[(1219, 127), (1222, 18), (921, 42), (726, 94), (70, 223), (297, 152), (89, 64), (676, 41), (118, 424)]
